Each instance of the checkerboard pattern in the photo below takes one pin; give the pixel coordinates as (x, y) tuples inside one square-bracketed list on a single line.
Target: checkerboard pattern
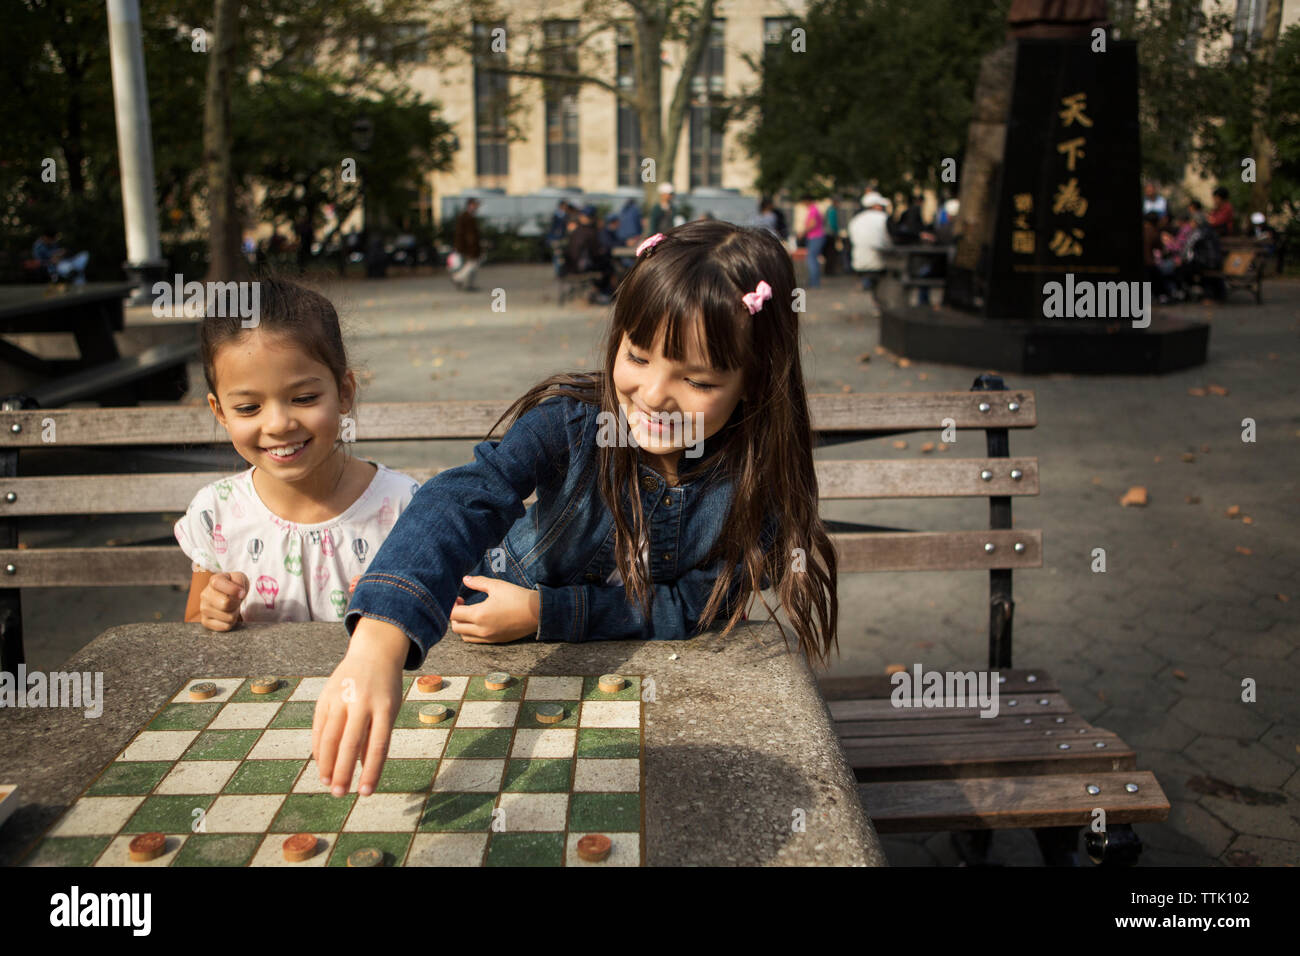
[(228, 778)]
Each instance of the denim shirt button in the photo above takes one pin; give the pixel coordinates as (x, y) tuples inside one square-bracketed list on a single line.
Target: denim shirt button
[(668, 556), (593, 578), (668, 501), (649, 483)]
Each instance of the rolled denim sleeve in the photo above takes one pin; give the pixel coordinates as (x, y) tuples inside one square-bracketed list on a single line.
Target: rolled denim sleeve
[(592, 612), (453, 519)]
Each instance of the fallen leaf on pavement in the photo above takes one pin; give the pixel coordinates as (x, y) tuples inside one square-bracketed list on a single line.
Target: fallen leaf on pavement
[(864, 357), (1193, 499), (928, 447), (900, 444), (1242, 550), (1218, 390), (1233, 511), (1135, 496), (1198, 392), (1180, 674), (1188, 457), (1247, 519), (896, 669)]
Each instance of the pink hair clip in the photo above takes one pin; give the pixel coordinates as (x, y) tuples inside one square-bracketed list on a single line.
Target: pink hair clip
[(754, 300), (650, 243)]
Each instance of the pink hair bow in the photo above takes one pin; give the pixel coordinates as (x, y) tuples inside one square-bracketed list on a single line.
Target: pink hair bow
[(754, 300), (650, 243)]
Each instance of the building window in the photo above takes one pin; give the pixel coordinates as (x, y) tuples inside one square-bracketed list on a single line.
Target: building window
[(561, 56), (776, 31), (491, 153), (629, 119), (1248, 24), (707, 85), (396, 45)]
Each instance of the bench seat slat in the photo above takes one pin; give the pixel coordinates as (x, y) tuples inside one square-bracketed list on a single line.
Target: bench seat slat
[(1003, 722), (937, 550), (986, 803), (881, 685), (1027, 705), (991, 737), (994, 758)]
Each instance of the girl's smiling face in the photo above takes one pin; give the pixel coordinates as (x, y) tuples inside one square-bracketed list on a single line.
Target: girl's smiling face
[(274, 396), (648, 386)]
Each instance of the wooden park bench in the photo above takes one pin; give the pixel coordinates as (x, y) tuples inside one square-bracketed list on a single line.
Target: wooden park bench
[(920, 769), (1037, 764), (1243, 267)]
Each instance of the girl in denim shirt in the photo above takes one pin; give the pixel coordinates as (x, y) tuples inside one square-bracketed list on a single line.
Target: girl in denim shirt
[(673, 485)]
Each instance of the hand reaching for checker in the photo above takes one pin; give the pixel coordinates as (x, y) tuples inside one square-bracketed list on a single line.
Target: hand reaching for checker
[(509, 613), (220, 600)]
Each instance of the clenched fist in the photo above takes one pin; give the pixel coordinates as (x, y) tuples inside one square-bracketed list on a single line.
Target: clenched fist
[(219, 603)]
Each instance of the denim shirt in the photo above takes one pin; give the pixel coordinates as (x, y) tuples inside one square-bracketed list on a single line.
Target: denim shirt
[(562, 546)]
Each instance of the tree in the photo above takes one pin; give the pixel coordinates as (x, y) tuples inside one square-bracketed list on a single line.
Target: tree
[(528, 53), (225, 259), (879, 92)]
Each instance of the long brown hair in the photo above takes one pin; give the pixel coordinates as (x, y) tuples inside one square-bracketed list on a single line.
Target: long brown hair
[(698, 273)]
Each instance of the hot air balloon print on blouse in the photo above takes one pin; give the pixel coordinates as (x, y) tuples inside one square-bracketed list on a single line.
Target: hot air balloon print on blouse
[(327, 544), (255, 548), (360, 547), (322, 576), (293, 560), (268, 588), (218, 540)]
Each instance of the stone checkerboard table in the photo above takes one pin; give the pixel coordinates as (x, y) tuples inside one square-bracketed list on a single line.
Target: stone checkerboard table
[(741, 763)]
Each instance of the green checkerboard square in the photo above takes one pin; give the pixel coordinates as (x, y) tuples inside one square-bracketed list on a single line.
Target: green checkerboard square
[(184, 717), (605, 812), (294, 715), (128, 777), (408, 715), (539, 775), (222, 745), (458, 811), (474, 690), (245, 695), (68, 851), (591, 689), (609, 742), (526, 849), (528, 714), (168, 813), (218, 849), (312, 813), (478, 742), (393, 846), (406, 776), (265, 776)]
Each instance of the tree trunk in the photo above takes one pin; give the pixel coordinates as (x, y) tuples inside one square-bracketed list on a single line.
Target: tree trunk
[(225, 257), (647, 45), (1261, 144)]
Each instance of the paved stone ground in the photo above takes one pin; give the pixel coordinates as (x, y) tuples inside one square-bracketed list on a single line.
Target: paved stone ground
[(1155, 649)]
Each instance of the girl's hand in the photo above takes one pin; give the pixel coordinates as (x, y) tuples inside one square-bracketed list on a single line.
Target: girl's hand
[(509, 613), (219, 603), (354, 716)]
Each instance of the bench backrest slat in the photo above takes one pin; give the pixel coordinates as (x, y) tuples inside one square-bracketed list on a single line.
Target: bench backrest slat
[(470, 420), (837, 480)]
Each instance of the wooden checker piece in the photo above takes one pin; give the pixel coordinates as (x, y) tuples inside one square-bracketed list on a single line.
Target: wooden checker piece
[(264, 685), (202, 690), (429, 683), (366, 857), (497, 680), (146, 847), (550, 713), (594, 847), (611, 683), (433, 714), (299, 847)]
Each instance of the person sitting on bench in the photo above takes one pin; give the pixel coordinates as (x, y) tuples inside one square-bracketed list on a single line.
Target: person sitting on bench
[(585, 253), (56, 261)]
